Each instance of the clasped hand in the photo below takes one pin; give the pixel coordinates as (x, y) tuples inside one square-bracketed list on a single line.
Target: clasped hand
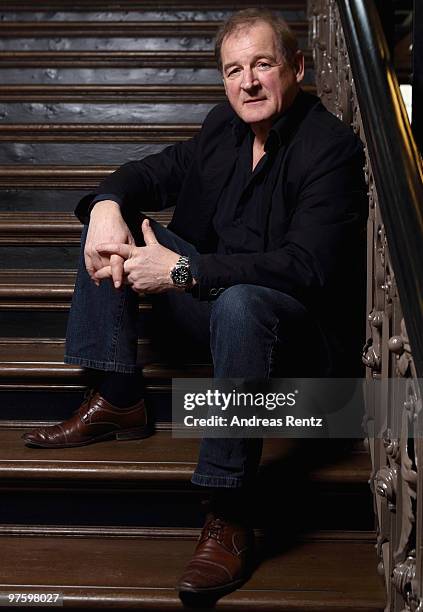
[(146, 269)]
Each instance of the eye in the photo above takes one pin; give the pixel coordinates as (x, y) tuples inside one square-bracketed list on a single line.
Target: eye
[(263, 65), (233, 73)]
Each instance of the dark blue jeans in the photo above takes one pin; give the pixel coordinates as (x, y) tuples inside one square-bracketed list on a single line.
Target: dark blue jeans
[(249, 331)]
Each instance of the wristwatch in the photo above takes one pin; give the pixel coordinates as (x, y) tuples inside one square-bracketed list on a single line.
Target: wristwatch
[(181, 273)]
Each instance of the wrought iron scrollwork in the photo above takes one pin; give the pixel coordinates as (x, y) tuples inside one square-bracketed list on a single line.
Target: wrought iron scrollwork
[(386, 354)]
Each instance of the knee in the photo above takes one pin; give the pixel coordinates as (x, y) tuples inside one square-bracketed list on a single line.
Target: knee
[(237, 306)]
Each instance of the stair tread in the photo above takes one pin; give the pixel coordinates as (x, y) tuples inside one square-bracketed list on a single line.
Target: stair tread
[(37, 290), (24, 281), (143, 459), (97, 132), (144, 571), (40, 219), (121, 29), (31, 350), (121, 92), (39, 351), (47, 228), (43, 358), (43, 352), (111, 5), (117, 59), (26, 276)]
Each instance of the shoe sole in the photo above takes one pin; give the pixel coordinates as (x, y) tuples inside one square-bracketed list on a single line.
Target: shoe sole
[(129, 434), (213, 591)]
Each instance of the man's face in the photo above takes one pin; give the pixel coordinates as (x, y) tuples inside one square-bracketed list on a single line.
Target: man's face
[(259, 83)]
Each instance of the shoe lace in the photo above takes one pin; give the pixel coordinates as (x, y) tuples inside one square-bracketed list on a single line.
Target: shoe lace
[(88, 396), (215, 530)]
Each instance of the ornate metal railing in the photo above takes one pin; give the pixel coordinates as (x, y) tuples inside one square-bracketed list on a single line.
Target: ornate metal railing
[(357, 83)]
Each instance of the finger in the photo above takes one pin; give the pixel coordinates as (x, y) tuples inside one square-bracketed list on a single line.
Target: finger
[(149, 236), (129, 265), (90, 268), (98, 262), (88, 265), (112, 248), (105, 272), (116, 265)]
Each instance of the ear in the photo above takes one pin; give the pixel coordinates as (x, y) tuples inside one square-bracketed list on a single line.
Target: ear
[(299, 66)]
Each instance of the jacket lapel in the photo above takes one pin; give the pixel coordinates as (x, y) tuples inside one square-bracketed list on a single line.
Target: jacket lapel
[(215, 176)]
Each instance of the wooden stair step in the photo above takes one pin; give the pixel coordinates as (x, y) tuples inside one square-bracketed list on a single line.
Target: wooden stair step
[(41, 375), (120, 29), (107, 59), (37, 363), (146, 483), (28, 289), (46, 290), (141, 572), (142, 5), (112, 58), (117, 94), (29, 352), (96, 132), (29, 359), (117, 58), (43, 289), (163, 458), (39, 228), (57, 176), (40, 200), (48, 228)]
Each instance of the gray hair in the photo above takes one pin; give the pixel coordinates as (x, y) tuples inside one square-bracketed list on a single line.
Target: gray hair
[(287, 41)]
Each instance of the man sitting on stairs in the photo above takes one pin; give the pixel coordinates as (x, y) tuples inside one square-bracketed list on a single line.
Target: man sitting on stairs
[(261, 266)]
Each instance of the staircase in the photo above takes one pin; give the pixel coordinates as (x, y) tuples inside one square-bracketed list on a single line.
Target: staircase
[(85, 86)]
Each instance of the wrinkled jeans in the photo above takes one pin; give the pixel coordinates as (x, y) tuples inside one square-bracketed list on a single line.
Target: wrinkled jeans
[(249, 330)]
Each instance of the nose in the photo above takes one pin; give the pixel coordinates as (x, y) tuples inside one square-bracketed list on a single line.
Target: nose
[(249, 79)]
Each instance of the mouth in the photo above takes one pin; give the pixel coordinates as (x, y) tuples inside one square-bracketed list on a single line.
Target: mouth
[(254, 101)]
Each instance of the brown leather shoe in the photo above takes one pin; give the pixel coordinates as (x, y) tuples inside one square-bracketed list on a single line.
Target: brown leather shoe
[(222, 560), (96, 419)]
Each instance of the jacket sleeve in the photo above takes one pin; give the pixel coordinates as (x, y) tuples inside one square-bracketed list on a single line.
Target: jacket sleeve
[(152, 183), (326, 229)]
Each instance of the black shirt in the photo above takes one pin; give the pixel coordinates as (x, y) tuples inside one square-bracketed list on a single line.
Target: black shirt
[(241, 214), (240, 220), (303, 210)]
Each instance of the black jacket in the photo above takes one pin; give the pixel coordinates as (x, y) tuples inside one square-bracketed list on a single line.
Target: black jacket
[(317, 208)]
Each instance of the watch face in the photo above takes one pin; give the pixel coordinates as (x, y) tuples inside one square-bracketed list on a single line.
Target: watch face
[(181, 275)]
